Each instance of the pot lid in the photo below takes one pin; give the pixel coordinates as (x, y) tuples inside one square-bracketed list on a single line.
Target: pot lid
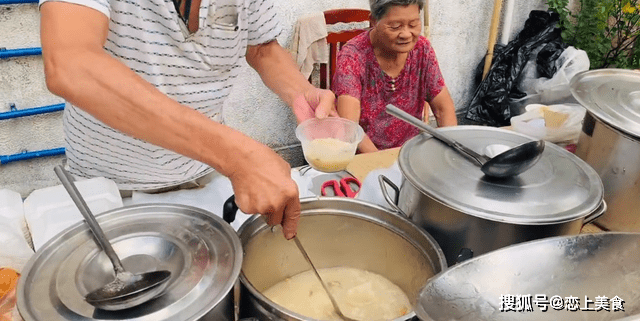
[(202, 252), (560, 187), (611, 95)]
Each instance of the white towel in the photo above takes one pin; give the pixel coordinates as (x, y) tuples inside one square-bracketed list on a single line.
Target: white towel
[(309, 43)]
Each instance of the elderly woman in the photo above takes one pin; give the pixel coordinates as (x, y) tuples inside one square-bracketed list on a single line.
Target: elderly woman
[(391, 64)]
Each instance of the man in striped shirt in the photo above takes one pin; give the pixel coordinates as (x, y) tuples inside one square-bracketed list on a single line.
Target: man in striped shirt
[(145, 80)]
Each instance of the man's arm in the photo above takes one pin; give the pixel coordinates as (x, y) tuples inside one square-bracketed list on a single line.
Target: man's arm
[(279, 72), (79, 70), (443, 109), (349, 108)]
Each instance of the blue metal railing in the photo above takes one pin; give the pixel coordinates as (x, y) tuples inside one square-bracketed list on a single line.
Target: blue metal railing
[(10, 53), (2, 2), (15, 113), (30, 155)]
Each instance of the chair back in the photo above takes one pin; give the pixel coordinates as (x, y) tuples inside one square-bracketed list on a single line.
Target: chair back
[(335, 40)]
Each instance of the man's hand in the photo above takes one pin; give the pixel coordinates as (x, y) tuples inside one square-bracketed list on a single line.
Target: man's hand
[(319, 103), (262, 184), (281, 75), (79, 69)]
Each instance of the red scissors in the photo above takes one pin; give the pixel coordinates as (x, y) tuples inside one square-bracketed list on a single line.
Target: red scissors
[(342, 188)]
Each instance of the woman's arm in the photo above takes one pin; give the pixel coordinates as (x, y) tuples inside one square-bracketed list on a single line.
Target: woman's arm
[(443, 109), (349, 108)]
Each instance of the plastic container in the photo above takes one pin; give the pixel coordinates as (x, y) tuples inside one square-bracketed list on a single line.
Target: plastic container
[(535, 127), (560, 124), (329, 144), (15, 249), (48, 211)]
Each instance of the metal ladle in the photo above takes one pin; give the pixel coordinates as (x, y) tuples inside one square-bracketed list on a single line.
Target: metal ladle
[(326, 289), (127, 289), (506, 164), (229, 209)]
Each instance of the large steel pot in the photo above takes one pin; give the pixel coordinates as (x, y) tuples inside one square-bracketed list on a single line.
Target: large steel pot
[(335, 232), (202, 252), (610, 140), (561, 278), (469, 214)]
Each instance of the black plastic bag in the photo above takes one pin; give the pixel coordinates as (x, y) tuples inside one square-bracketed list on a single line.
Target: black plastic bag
[(546, 58), (490, 103)]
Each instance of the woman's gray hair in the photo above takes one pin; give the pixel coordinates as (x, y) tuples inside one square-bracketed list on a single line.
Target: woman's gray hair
[(380, 7)]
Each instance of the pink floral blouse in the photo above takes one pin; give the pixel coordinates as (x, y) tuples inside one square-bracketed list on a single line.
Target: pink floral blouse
[(359, 75)]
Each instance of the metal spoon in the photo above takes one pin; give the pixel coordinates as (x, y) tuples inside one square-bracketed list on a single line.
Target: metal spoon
[(326, 289), (127, 289), (506, 164)]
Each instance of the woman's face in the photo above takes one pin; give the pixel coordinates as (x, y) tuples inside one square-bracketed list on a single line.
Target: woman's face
[(400, 28)]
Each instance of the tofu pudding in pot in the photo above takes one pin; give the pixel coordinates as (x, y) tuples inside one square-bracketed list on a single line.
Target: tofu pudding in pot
[(361, 295)]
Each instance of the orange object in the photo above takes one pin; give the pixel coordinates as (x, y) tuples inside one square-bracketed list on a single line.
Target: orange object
[(8, 281)]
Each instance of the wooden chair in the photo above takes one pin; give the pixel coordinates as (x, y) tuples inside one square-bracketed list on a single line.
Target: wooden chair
[(336, 40)]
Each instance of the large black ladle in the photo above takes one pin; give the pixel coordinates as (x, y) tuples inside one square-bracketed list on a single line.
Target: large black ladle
[(506, 164), (127, 289)]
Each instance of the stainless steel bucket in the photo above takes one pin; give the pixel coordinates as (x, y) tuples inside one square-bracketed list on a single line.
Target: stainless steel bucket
[(335, 232), (202, 252), (610, 141), (468, 213)]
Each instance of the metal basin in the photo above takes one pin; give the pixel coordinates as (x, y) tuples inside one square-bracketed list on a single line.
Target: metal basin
[(582, 267)]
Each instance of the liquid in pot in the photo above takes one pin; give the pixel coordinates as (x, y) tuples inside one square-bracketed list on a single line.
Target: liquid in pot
[(361, 295)]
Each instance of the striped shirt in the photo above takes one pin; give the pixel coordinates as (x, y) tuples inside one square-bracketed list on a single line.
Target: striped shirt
[(194, 69)]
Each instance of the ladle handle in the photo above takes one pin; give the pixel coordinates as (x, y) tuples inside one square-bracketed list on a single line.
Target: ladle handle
[(467, 152), (67, 182), (315, 271)]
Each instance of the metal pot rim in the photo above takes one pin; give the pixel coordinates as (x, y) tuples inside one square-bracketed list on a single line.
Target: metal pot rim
[(614, 108), (557, 243)]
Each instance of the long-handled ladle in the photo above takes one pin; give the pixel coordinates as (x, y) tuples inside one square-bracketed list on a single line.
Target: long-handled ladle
[(506, 164), (127, 289), (326, 289)]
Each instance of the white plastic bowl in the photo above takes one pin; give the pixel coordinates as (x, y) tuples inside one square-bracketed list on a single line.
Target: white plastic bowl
[(329, 144)]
